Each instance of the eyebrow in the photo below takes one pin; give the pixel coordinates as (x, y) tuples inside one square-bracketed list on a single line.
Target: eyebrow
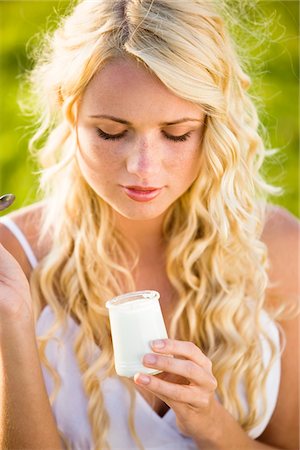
[(125, 122)]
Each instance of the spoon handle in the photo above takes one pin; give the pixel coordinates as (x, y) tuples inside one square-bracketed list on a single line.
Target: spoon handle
[(6, 200)]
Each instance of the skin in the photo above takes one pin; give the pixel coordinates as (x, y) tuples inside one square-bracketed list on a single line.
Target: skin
[(145, 157)]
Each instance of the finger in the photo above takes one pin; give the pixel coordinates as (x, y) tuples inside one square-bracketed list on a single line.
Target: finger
[(185, 368), (170, 393), (181, 348)]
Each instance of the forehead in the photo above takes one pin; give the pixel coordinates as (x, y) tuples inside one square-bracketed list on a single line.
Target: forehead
[(125, 85)]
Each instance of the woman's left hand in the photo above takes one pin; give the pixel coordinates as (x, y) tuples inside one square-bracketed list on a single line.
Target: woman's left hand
[(193, 403)]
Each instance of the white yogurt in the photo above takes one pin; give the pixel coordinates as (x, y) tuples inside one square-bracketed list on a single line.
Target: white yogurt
[(135, 320)]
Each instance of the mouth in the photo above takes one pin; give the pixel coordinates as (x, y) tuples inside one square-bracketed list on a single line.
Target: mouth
[(142, 193)]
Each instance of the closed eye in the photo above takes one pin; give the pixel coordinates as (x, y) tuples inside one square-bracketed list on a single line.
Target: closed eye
[(115, 137), (110, 137), (181, 138)]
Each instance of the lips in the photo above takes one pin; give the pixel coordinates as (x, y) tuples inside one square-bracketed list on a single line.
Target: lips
[(142, 193)]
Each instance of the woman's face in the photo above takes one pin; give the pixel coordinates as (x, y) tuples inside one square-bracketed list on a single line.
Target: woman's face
[(139, 144)]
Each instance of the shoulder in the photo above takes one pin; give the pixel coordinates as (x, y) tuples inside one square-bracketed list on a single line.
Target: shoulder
[(28, 220), (281, 236), (279, 220)]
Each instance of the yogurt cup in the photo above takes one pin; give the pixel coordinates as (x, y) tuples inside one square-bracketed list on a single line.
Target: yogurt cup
[(135, 319)]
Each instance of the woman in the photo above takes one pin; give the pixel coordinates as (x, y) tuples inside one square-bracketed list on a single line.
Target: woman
[(151, 180)]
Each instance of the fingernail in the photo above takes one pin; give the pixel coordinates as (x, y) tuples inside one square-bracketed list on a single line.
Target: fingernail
[(142, 378), (150, 359), (159, 343)]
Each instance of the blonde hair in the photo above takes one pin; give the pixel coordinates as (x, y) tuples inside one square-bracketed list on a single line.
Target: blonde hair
[(216, 261)]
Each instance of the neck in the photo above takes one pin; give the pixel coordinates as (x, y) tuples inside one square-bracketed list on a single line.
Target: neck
[(150, 273), (146, 235)]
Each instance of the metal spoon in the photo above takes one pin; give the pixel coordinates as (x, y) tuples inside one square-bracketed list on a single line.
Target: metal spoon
[(6, 200)]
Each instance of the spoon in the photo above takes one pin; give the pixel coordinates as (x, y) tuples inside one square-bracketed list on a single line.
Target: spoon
[(6, 200)]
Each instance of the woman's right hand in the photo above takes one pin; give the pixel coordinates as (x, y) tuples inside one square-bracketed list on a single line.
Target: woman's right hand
[(15, 296)]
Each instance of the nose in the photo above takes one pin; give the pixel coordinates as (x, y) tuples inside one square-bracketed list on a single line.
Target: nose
[(143, 160)]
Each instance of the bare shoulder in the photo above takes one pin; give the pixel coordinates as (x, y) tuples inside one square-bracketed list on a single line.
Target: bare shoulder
[(281, 235), (280, 219), (28, 220)]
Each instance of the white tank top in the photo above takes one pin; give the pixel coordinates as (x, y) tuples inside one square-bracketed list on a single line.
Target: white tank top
[(155, 432)]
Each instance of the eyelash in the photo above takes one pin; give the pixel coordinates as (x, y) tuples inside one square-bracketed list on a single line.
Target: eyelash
[(115, 137)]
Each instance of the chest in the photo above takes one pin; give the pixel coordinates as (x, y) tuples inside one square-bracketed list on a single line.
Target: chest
[(159, 406), (72, 397), (168, 301)]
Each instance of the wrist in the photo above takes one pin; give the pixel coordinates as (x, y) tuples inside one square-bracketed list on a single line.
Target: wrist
[(211, 434), (222, 432), (17, 325)]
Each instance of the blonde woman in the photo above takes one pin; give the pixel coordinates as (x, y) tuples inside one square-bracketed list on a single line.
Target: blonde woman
[(150, 168)]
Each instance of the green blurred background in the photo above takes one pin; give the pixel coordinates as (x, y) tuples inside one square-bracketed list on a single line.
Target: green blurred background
[(274, 70)]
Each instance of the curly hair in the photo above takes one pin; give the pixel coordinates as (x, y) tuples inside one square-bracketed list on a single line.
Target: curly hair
[(216, 261)]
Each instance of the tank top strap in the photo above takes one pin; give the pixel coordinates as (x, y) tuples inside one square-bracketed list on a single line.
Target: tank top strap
[(19, 235)]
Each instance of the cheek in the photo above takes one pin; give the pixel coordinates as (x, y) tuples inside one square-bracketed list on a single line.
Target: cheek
[(186, 160), (186, 168), (96, 154), (94, 168)]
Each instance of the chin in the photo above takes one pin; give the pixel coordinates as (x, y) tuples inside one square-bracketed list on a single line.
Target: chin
[(141, 214)]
